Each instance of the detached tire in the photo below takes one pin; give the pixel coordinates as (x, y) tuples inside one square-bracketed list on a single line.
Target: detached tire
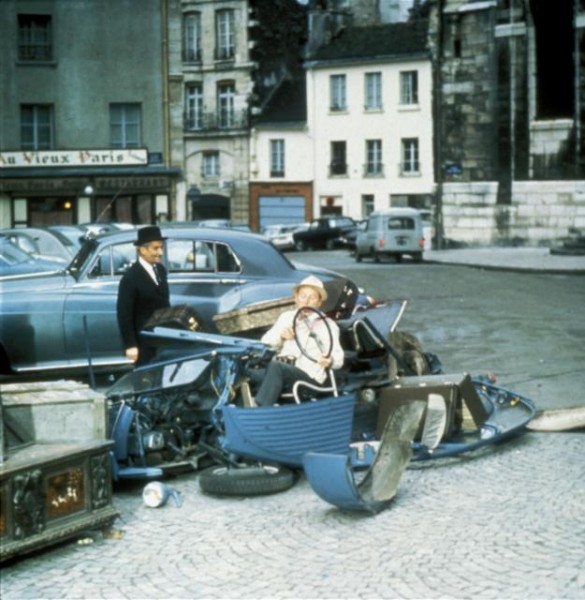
[(220, 480)]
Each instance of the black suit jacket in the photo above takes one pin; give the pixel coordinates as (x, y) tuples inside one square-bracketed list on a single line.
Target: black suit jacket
[(138, 297)]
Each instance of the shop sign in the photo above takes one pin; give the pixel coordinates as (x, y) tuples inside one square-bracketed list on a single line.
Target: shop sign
[(74, 158)]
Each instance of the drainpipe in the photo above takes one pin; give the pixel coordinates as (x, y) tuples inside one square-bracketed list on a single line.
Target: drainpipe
[(438, 119), (577, 87), (164, 15)]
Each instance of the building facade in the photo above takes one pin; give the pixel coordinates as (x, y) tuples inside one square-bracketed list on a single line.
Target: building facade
[(84, 137), (369, 98)]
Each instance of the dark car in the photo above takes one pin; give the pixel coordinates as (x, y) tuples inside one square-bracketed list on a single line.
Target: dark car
[(62, 320), (16, 262), (348, 240), (324, 233)]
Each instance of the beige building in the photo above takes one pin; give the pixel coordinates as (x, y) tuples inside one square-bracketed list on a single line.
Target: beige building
[(209, 86)]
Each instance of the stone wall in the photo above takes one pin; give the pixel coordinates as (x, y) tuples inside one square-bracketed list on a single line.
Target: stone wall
[(540, 212)]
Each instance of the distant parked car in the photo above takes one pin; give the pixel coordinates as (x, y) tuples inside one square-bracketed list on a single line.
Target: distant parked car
[(281, 236), (325, 232), (106, 227), (74, 233), (348, 239), (42, 243), (16, 262), (59, 321), (222, 223), (391, 233)]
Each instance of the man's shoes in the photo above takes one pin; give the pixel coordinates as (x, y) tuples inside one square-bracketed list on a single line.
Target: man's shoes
[(247, 398)]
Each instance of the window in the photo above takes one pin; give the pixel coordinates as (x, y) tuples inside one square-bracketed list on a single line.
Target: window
[(409, 87), (224, 33), (338, 158), (192, 37), (194, 106), (35, 38), (400, 223), (210, 164), (276, 158), (225, 104), (373, 157), (337, 93), (410, 164), (36, 127), (125, 125), (373, 92)]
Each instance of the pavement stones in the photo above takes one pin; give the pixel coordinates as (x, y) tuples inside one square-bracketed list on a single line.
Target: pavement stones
[(503, 523)]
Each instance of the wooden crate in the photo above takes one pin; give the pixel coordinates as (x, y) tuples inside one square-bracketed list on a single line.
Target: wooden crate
[(256, 316)]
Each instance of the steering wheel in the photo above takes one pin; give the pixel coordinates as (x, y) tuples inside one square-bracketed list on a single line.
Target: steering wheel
[(327, 347)]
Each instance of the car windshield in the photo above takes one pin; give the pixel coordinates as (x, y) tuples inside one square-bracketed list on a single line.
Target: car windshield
[(164, 376), (12, 254)]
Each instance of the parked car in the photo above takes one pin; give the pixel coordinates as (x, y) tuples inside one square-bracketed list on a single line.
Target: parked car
[(225, 223), (391, 233), (65, 319), (42, 243), (281, 236), (16, 262), (325, 232), (74, 233), (348, 239)]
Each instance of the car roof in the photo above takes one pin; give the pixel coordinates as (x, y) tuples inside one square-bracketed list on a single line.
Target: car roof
[(245, 244), (398, 211)]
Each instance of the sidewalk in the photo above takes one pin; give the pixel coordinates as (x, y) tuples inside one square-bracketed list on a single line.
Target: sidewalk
[(511, 259)]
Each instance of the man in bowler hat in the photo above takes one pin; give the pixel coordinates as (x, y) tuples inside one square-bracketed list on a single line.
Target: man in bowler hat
[(142, 290)]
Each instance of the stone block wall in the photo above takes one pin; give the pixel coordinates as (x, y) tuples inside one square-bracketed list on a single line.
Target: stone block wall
[(540, 212)]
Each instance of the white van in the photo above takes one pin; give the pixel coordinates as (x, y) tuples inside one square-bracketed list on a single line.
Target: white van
[(392, 233)]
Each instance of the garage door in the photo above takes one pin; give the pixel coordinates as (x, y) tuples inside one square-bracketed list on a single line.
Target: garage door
[(281, 210)]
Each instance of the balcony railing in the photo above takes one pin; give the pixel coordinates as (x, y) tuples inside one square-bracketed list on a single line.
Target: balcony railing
[(336, 168), (411, 168), (35, 52), (192, 55), (373, 170), (212, 121), (224, 53)]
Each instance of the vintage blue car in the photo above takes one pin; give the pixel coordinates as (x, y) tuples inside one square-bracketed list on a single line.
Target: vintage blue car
[(353, 436), (66, 320)]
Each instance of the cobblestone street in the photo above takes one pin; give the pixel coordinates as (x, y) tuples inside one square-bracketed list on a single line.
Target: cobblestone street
[(504, 523)]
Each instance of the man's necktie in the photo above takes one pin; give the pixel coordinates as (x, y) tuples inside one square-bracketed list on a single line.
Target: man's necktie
[(157, 274)]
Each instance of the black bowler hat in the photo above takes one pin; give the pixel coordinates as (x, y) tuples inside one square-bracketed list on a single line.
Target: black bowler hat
[(149, 234)]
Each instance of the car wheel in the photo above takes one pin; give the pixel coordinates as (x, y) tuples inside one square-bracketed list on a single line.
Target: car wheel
[(376, 256), (358, 256), (417, 256), (398, 258), (300, 246), (252, 480), (329, 244)]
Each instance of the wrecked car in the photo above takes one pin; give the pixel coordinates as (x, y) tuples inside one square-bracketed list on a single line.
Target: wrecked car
[(389, 404)]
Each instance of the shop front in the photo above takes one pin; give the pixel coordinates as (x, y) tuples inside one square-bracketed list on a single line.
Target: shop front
[(38, 189)]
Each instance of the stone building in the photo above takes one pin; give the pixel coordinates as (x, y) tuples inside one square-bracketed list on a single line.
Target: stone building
[(83, 132), (509, 118)]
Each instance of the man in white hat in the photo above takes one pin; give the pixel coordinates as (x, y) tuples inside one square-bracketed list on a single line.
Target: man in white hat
[(290, 364)]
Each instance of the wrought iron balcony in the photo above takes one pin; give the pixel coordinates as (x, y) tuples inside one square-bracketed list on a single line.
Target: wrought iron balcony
[(216, 121)]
